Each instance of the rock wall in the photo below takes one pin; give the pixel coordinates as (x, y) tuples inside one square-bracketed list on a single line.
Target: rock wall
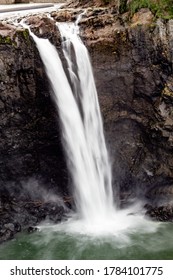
[(29, 123), (133, 69), (32, 164)]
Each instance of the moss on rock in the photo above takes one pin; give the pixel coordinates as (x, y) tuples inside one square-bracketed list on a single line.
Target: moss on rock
[(160, 8), (5, 40)]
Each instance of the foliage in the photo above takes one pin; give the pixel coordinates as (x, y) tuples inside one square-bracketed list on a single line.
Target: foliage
[(122, 6), (5, 40), (160, 8)]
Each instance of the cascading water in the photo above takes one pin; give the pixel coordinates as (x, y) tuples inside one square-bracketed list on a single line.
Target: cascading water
[(98, 173), (84, 141), (82, 127)]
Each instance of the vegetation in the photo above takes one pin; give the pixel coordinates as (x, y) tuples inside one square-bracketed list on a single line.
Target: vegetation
[(160, 8), (5, 40), (122, 6), (23, 33)]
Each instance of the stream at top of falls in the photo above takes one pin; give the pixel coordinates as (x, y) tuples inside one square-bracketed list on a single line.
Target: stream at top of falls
[(98, 229)]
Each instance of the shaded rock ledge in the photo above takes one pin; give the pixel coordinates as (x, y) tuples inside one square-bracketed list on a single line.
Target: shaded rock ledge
[(32, 164)]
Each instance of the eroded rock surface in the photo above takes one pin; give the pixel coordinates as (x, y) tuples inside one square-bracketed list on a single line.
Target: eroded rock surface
[(30, 143), (133, 70)]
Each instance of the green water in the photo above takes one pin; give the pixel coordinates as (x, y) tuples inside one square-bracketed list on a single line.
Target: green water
[(48, 244)]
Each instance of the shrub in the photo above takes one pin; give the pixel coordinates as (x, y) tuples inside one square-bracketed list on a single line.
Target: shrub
[(160, 8)]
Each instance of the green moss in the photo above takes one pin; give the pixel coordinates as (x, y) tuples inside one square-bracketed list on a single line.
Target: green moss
[(160, 8), (24, 33), (5, 40), (122, 6)]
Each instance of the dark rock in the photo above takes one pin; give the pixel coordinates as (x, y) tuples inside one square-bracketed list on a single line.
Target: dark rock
[(133, 67), (27, 215), (32, 229), (29, 129), (30, 138), (161, 213), (8, 234), (9, 226)]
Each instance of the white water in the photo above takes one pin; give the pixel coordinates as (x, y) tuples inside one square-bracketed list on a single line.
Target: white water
[(84, 142), (96, 164), (82, 130)]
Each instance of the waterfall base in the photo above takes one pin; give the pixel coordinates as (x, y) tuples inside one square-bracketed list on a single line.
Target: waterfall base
[(69, 241)]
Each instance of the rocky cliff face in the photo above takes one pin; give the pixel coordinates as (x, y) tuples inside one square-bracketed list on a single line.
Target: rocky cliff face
[(28, 117), (32, 164), (132, 63)]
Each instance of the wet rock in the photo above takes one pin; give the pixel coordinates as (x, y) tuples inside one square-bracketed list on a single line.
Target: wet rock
[(29, 132), (27, 114), (6, 235), (27, 215), (160, 195), (32, 229), (44, 27), (9, 226), (161, 213)]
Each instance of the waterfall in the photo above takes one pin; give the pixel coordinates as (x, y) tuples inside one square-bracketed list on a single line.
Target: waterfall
[(82, 128), (87, 158), (99, 169)]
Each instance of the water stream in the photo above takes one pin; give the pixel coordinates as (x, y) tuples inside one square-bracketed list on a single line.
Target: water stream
[(97, 230), (83, 139)]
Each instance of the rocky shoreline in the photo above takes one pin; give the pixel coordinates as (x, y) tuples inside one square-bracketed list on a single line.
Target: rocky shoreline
[(132, 62), (18, 216)]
